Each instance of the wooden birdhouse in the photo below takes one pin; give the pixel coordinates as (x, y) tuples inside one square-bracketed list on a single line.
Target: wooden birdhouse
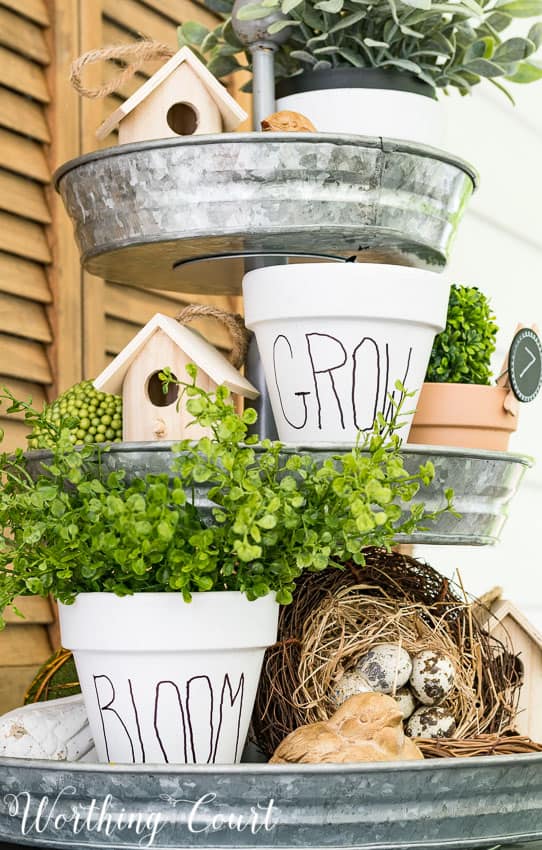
[(508, 624), (182, 99), (148, 413)]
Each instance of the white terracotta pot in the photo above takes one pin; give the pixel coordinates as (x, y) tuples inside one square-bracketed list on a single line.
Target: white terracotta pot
[(165, 681), (364, 110), (334, 339)]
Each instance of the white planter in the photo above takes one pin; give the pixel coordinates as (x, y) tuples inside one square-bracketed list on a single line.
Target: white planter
[(334, 339), (165, 681), (366, 111)]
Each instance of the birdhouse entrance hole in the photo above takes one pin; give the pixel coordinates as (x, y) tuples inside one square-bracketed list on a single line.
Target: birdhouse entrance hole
[(156, 393), (183, 119)]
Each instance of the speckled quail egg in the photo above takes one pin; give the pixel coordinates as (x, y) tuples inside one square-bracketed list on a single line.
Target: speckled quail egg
[(405, 701), (432, 677), (387, 667), (431, 721), (349, 685)]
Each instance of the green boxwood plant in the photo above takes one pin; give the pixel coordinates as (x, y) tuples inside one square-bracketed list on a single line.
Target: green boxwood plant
[(445, 44), (74, 528), (461, 354)]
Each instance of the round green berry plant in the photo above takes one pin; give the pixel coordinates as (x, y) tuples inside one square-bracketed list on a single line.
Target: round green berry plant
[(95, 417), (76, 528), (461, 354)]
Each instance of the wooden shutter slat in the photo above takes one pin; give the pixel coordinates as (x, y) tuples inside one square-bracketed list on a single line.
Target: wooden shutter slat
[(24, 359), (114, 34), (24, 318), (35, 609), (24, 278), (23, 197), (15, 434), (24, 238), (23, 36), (36, 10), (137, 307), (24, 391), (141, 19), (23, 156), (127, 89), (168, 8), (118, 334), (23, 115), (21, 74)]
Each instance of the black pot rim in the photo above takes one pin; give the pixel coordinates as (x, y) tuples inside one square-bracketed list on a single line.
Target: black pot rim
[(353, 78)]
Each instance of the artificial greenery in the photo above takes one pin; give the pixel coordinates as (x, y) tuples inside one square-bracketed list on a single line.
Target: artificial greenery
[(444, 44), (76, 528), (461, 354)]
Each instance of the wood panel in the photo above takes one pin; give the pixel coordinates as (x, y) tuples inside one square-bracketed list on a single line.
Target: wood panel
[(22, 115), (35, 10), (23, 156), (23, 36), (19, 73), (24, 278), (24, 318), (23, 197), (24, 238), (21, 358)]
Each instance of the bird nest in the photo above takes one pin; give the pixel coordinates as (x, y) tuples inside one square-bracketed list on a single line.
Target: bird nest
[(338, 615)]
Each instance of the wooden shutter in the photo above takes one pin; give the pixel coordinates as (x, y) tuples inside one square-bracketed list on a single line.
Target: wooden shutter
[(112, 314), (25, 253)]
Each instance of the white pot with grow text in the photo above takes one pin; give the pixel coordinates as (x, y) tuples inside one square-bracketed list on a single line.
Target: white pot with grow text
[(169, 681), (335, 338)]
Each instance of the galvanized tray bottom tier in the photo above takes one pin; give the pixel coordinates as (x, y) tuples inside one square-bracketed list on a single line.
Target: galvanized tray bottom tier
[(142, 211), (483, 483), (448, 803)]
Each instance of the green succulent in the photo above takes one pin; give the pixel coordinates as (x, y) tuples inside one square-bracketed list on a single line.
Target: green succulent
[(462, 352), (444, 44), (90, 415)]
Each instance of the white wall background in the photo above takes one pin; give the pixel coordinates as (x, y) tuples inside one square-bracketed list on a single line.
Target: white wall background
[(499, 249)]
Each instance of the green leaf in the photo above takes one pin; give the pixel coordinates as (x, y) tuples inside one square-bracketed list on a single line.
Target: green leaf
[(193, 32), (484, 68), (289, 5), (331, 6), (521, 8), (514, 50), (535, 35), (482, 48), (220, 66), (527, 72), (278, 26), (347, 21), (252, 12)]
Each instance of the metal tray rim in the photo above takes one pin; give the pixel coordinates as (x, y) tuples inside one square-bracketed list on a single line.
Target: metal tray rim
[(278, 769), (377, 142)]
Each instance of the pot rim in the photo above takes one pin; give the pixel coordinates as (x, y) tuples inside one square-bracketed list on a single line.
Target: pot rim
[(388, 79)]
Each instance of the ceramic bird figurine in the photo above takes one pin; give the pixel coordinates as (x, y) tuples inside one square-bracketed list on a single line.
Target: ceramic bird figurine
[(367, 727), (287, 122)]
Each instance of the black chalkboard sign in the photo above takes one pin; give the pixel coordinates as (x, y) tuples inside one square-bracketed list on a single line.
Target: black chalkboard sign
[(525, 365)]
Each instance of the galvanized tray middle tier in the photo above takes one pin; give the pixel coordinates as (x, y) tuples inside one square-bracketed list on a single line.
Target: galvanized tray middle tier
[(483, 482), (143, 213)]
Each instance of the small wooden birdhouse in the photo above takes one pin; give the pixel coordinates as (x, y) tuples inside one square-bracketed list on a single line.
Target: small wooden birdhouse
[(508, 624), (148, 413), (182, 99)]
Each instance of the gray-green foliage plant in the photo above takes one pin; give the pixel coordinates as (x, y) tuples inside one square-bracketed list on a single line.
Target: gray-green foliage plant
[(76, 528), (444, 44), (461, 354)]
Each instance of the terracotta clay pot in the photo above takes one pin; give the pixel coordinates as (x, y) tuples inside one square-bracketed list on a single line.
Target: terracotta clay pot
[(469, 416)]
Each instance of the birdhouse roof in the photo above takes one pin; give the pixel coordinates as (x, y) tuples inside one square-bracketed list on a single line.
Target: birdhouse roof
[(503, 608), (204, 355), (232, 113)]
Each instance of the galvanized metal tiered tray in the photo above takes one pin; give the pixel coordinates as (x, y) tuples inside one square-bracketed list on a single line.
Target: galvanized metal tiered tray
[(141, 212), (483, 483), (450, 803)]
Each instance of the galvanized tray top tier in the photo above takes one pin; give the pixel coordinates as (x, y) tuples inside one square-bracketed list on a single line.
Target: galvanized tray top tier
[(483, 483), (449, 803), (143, 211)]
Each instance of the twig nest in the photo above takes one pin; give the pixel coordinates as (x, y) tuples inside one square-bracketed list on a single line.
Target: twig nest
[(287, 122), (349, 685), (387, 667), (406, 702), (432, 721), (433, 676)]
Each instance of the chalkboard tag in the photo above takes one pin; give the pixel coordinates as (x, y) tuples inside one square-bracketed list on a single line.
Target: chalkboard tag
[(525, 365)]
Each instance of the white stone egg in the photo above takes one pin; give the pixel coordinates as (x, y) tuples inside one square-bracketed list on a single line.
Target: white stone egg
[(431, 721), (349, 685), (405, 701), (387, 667), (433, 676)]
